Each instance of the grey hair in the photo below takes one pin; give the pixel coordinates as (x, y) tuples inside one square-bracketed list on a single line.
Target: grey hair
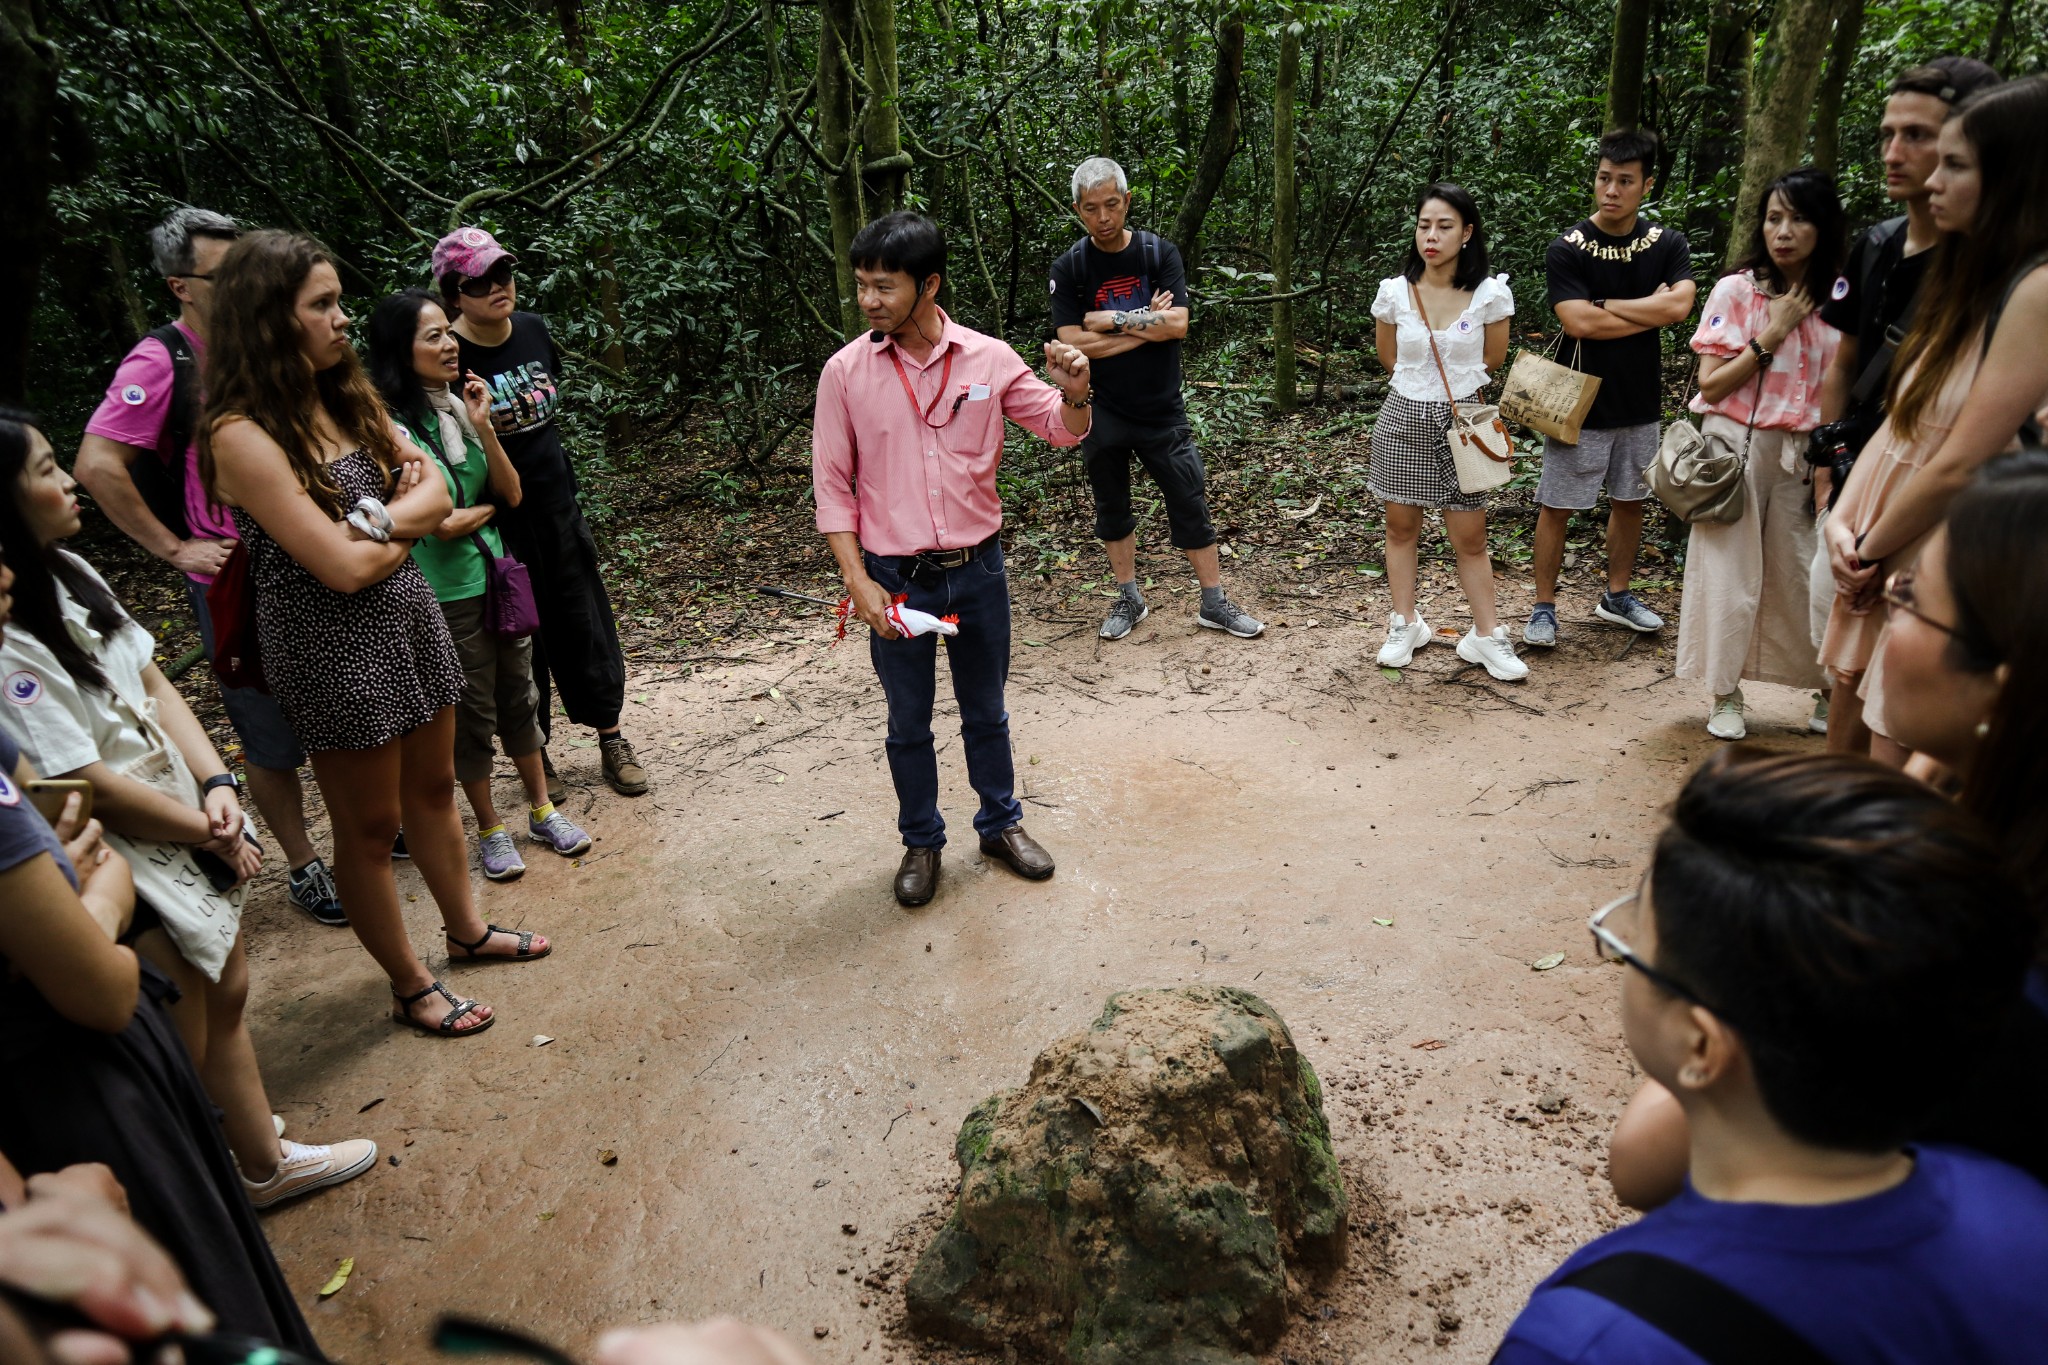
[(1098, 170), (170, 242)]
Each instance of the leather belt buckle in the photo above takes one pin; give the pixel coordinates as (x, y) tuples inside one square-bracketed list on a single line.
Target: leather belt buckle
[(947, 559)]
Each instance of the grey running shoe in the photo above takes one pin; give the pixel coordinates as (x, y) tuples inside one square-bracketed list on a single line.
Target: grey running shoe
[(1541, 629), (312, 890), (1231, 617), (1622, 609), (1128, 611), (501, 860), (559, 833)]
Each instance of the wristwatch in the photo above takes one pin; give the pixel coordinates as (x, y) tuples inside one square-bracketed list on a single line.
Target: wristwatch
[(228, 780), (1601, 304), (1119, 318), (1764, 357)]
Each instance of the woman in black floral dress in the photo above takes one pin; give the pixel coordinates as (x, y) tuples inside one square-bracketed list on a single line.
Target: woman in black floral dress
[(329, 498)]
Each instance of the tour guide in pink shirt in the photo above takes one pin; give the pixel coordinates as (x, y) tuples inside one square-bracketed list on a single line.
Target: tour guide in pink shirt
[(912, 414)]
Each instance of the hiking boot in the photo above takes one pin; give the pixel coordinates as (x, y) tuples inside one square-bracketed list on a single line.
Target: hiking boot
[(1540, 630), (303, 1169), (1495, 653), (1404, 637), (1124, 616), (621, 768), (559, 833), (1818, 721), (501, 860), (1622, 609), (312, 890), (557, 793), (1725, 721), (1227, 615)]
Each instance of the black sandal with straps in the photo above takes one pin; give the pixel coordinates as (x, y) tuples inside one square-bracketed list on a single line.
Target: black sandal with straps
[(447, 1027), (524, 953)]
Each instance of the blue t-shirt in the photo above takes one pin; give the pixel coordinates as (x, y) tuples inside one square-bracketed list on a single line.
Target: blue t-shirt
[(1951, 1265), (23, 831)]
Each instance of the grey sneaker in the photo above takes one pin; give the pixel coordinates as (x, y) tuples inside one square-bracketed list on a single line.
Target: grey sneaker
[(559, 833), (501, 860), (1124, 616), (1541, 628), (1622, 609), (313, 891), (1231, 617)]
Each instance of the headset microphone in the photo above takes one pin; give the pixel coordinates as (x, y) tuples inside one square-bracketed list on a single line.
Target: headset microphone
[(878, 336)]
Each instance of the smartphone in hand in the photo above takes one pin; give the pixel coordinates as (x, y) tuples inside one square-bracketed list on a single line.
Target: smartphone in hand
[(47, 795)]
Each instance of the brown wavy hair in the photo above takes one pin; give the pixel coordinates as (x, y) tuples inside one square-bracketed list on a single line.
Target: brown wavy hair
[(1971, 269), (255, 368)]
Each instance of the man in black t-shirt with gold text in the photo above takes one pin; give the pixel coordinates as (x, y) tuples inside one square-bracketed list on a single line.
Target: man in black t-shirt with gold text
[(1121, 298), (1615, 282)]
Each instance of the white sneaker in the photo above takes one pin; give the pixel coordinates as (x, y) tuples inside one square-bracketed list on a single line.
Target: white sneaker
[(1725, 720), (1495, 653), (1404, 637), (303, 1169)]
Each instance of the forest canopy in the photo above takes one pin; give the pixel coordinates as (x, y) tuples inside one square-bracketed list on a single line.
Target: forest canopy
[(680, 181)]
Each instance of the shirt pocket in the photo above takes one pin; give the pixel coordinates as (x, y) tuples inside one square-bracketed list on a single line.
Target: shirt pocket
[(975, 423)]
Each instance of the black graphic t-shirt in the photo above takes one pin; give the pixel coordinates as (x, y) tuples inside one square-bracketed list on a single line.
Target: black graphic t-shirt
[(524, 375), (1141, 385), (1586, 263)]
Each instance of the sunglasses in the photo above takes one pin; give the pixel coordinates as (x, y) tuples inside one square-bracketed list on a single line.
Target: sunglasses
[(1898, 595), (481, 285), (1608, 947)]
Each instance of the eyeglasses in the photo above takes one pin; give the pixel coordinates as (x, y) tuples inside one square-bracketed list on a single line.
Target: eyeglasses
[(482, 285), (1609, 948), (1898, 595)]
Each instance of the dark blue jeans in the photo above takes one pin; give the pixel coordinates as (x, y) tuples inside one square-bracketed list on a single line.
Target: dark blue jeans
[(979, 660)]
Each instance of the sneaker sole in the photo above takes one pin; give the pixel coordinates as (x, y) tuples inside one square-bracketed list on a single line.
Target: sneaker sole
[(1143, 612), (1617, 619), (583, 847), (625, 788), (338, 1176), (1818, 727), (1384, 662), (1207, 624), (1492, 672), (341, 923), (509, 876)]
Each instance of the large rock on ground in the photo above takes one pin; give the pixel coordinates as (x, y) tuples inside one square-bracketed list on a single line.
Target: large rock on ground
[(1144, 1198)]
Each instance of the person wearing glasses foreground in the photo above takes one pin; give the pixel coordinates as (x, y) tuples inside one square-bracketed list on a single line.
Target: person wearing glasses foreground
[(1818, 941)]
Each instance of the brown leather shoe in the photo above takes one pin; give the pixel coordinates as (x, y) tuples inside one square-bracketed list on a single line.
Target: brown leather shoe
[(917, 880), (1020, 853)]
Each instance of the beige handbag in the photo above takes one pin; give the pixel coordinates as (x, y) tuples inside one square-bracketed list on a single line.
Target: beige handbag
[(1548, 397), (1481, 449)]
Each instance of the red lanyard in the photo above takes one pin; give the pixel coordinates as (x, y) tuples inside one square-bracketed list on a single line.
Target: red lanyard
[(924, 414)]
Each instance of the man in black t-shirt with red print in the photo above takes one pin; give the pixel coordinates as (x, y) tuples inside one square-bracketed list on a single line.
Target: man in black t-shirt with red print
[(1121, 298)]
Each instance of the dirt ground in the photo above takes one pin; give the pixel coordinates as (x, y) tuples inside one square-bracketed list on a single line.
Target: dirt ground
[(778, 1056)]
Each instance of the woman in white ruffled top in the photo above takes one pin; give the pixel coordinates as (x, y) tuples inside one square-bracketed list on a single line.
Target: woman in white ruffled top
[(1443, 289)]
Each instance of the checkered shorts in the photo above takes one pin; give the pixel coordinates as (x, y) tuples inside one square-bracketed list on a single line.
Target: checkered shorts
[(1411, 457)]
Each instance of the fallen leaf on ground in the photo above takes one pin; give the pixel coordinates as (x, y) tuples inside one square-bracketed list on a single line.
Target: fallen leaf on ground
[(759, 721), (549, 1215), (1429, 1044), (607, 1157), (1547, 961), (781, 777), (1383, 923), (339, 1278), (583, 744), (1391, 674), (371, 1105), (775, 693), (541, 1040), (1036, 644)]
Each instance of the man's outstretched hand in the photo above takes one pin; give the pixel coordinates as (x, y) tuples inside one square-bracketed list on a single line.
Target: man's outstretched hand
[(1066, 367)]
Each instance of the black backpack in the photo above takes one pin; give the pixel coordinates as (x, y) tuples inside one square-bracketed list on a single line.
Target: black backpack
[(161, 481)]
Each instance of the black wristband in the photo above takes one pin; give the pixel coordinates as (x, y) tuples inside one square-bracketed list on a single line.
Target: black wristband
[(228, 780)]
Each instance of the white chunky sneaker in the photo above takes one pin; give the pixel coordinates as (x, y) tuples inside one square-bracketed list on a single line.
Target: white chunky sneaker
[(1404, 637), (1725, 721), (1495, 653), (304, 1168)]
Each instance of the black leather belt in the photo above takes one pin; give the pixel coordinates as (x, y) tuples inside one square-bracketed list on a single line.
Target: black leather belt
[(938, 560)]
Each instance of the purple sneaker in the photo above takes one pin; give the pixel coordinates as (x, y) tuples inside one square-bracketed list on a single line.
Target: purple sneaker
[(501, 860), (559, 833)]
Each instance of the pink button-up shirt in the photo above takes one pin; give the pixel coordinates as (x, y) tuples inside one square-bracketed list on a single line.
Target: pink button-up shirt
[(920, 488), (1789, 398)]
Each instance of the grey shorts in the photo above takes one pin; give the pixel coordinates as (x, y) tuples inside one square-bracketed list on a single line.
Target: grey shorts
[(499, 700), (268, 740), (1617, 458)]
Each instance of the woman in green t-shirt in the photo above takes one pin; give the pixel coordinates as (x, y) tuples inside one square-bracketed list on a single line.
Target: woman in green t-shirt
[(414, 360)]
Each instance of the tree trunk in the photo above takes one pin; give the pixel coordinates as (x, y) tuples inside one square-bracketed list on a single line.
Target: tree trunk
[(28, 124), (618, 427), (1827, 110), (337, 85), (886, 166), (1105, 81), (1726, 79), (2001, 34), (1442, 147), (1177, 57), (1219, 142), (1625, 62), (836, 21), (1780, 105), (1284, 82)]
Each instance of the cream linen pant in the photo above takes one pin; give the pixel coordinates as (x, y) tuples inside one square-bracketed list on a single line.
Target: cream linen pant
[(1746, 612)]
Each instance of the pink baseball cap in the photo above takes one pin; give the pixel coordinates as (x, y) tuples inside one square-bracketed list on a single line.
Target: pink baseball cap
[(468, 252)]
